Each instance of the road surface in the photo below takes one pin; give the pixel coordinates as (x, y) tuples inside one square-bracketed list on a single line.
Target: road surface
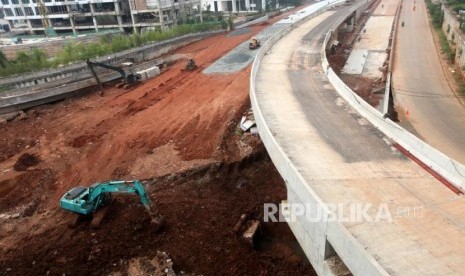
[(425, 103), (346, 161)]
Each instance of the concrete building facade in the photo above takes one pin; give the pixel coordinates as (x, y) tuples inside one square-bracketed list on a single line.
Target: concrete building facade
[(65, 16), (234, 5)]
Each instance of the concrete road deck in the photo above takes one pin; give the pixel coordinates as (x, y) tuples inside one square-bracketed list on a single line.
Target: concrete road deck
[(426, 104), (375, 40), (345, 160)]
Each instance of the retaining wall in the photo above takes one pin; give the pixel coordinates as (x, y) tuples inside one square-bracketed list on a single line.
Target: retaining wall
[(51, 85), (138, 54)]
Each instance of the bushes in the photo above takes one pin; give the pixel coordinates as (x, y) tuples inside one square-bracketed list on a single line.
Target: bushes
[(73, 52), (437, 15), (445, 47), (24, 62)]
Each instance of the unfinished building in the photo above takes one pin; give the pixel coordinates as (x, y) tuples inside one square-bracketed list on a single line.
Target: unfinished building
[(63, 16)]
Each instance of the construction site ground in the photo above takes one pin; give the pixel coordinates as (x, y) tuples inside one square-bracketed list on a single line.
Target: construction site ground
[(180, 130)]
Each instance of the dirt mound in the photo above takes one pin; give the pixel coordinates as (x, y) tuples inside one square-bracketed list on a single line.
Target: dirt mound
[(201, 208), (25, 188), (83, 140), (26, 161)]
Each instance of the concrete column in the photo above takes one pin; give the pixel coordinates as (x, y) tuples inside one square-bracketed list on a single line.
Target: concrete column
[(182, 10), (71, 19), (118, 15), (29, 25), (247, 4), (174, 16), (160, 14), (92, 11), (234, 6), (350, 26), (131, 10)]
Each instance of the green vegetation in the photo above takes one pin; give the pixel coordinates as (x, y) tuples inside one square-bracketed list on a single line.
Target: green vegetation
[(36, 59), (459, 81), (437, 15), (445, 47), (24, 62), (437, 18), (456, 5)]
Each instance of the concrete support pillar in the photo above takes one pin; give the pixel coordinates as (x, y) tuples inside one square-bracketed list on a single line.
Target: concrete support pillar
[(133, 20), (247, 5), (174, 16), (92, 11), (160, 14), (29, 25), (351, 23), (71, 19), (234, 9), (119, 18)]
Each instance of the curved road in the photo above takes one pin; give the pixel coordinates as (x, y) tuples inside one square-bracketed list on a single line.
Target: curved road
[(344, 160), (426, 104)]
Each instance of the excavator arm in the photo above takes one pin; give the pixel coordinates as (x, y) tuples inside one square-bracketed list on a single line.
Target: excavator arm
[(89, 200), (91, 64), (128, 79), (131, 187)]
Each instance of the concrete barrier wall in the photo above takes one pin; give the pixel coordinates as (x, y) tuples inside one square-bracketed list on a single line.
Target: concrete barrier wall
[(26, 100), (318, 239), (253, 22), (451, 170), (387, 91)]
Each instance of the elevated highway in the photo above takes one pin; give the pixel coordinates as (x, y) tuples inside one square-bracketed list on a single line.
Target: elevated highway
[(333, 160)]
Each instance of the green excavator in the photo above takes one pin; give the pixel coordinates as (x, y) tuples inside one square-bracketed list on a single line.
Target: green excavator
[(95, 200)]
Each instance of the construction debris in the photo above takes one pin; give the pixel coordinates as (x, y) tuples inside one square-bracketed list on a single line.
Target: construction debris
[(161, 264), (246, 229), (246, 124)]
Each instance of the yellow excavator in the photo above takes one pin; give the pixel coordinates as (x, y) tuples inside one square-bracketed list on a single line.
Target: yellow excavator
[(190, 65), (254, 43)]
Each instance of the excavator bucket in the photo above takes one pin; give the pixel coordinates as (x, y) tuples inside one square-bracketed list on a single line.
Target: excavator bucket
[(157, 220)]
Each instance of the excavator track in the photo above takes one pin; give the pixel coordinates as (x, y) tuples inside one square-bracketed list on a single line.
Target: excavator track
[(75, 220), (98, 216)]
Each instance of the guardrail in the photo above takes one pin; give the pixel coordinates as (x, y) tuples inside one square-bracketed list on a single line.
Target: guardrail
[(451, 170), (387, 91), (314, 238)]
